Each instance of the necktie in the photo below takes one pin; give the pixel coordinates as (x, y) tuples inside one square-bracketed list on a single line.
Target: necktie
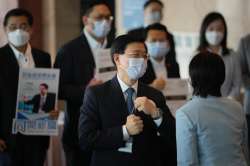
[(130, 102)]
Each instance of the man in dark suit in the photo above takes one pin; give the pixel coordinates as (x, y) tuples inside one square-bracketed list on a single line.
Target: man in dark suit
[(77, 71), (124, 121), (23, 150), (152, 14), (162, 63), (43, 102)]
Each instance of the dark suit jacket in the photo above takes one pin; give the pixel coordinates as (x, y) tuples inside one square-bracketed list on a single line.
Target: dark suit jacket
[(103, 113), (9, 72), (76, 64), (48, 105)]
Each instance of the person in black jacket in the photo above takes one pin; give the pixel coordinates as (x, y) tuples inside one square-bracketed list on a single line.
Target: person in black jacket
[(124, 121), (21, 150), (77, 65), (162, 63), (43, 102)]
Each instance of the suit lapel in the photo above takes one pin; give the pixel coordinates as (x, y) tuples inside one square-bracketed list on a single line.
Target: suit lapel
[(35, 58), (87, 49), (119, 97), (12, 61)]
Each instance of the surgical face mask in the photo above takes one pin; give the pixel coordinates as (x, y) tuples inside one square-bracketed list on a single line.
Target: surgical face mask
[(214, 37), (157, 49), (152, 17), (136, 68), (18, 37), (101, 28)]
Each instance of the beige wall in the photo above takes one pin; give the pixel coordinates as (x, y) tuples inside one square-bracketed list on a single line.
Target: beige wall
[(61, 23), (186, 16), (5, 6)]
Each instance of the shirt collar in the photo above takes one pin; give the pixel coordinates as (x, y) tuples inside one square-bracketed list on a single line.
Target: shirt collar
[(18, 53), (124, 86), (92, 42), (219, 52), (161, 63)]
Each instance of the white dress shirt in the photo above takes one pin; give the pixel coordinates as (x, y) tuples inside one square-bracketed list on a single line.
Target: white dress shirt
[(24, 60), (159, 68), (93, 43), (42, 102)]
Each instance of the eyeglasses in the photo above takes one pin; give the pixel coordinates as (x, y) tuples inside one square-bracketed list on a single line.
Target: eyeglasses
[(102, 17), (137, 55), (14, 27)]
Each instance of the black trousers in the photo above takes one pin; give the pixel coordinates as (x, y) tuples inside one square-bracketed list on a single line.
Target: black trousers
[(76, 157), (29, 151), (248, 126)]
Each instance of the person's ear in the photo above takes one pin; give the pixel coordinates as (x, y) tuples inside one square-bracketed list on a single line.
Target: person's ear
[(31, 31), (116, 59)]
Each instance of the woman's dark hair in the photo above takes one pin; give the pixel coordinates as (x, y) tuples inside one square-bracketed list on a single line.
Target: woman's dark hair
[(207, 73), (209, 18), (171, 56), (18, 12)]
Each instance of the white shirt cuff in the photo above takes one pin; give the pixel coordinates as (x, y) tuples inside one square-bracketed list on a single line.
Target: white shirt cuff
[(125, 133)]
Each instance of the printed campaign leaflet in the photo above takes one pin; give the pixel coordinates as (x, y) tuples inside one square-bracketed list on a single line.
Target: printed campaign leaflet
[(105, 69), (36, 109)]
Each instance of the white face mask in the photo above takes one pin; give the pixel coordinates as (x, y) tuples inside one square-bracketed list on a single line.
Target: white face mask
[(136, 68), (101, 28), (18, 37), (157, 49), (152, 17), (214, 37)]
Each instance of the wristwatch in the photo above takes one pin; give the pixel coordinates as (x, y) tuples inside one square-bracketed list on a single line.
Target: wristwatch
[(158, 114)]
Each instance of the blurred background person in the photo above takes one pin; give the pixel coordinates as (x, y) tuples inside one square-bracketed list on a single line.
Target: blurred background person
[(152, 14), (76, 61), (213, 38), (18, 53), (244, 52), (162, 62), (210, 129)]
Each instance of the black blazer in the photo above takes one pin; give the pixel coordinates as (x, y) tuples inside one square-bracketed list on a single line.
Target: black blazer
[(9, 72), (172, 72), (76, 63), (103, 113), (48, 106)]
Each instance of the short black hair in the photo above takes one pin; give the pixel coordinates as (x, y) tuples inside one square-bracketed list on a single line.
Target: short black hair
[(18, 12), (155, 26), (120, 44), (87, 7), (45, 85), (152, 1), (207, 73), (209, 18)]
